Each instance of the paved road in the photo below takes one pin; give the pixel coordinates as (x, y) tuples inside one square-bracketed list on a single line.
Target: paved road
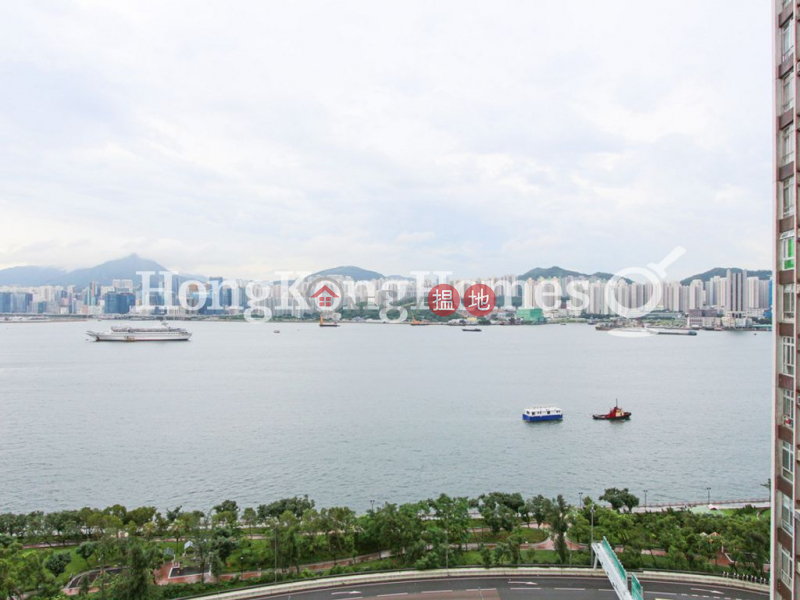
[(517, 588)]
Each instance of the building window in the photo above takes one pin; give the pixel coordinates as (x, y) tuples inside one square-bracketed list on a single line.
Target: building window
[(786, 149), (786, 409), (787, 302), (787, 515), (787, 461), (787, 355), (787, 250), (787, 198), (787, 93), (786, 567), (787, 40)]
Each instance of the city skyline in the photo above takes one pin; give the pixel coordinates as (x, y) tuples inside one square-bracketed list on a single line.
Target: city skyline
[(56, 272)]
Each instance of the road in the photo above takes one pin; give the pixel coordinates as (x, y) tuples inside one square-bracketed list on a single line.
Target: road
[(518, 588)]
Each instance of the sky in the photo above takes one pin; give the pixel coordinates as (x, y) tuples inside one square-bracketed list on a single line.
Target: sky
[(481, 138)]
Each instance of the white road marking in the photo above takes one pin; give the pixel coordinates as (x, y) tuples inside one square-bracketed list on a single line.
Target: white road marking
[(523, 582), (571, 589), (527, 589), (705, 590), (437, 591), (340, 593), (397, 594)]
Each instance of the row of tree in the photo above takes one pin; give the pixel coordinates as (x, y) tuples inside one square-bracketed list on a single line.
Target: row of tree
[(124, 546)]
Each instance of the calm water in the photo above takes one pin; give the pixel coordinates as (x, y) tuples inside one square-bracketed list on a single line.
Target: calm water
[(375, 412)]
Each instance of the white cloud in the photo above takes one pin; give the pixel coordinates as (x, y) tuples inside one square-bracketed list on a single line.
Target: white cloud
[(476, 138)]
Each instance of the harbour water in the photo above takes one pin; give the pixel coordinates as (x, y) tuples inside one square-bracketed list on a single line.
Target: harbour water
[(375, 412)]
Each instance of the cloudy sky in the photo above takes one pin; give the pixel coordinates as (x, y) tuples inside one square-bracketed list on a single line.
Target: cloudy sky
[(238, 138)]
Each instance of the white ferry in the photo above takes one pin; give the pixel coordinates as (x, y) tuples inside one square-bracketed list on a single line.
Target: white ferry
[(164, 333), (670, 331), (542, 413)]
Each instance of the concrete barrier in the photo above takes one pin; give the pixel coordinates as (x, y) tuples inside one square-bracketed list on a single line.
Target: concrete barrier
[(466, 573), (673, 577)]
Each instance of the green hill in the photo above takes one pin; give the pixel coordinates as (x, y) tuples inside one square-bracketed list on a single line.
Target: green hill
[(558, 272), (357, 273)]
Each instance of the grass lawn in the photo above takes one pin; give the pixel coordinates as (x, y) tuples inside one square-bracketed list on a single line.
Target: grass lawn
[(531, 536)]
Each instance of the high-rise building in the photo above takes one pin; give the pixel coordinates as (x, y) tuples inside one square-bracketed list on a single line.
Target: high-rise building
[(119, 303), (736, 291), (784, 568)]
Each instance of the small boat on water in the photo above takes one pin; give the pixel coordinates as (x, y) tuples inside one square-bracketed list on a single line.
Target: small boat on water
[(615, 414), (324, 323), (416, 322), (542, 413), (470, 329)]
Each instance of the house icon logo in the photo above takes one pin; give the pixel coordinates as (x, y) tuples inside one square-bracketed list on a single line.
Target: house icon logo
[(327, 295)]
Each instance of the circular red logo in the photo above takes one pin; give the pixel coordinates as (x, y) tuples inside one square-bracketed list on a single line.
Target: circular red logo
[(479, 300), (443, 300)]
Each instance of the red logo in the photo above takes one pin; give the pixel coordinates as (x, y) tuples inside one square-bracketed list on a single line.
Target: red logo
[(443, 300), (324, 297), (479, 300)]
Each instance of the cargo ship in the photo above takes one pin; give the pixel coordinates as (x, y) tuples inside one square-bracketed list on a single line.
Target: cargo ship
[(164, 333)]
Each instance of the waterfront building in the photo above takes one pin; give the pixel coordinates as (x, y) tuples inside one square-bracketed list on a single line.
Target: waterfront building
[(735, 291), (118, 303), (696, 295), (785, 581)]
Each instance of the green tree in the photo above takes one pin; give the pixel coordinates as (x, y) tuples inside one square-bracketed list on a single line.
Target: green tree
[(499, 511), (249, 518), (136, 580), (559, 524), (486, 555), (86, 550), (296, 505), (539, 507), (618, 498), (57, 562)]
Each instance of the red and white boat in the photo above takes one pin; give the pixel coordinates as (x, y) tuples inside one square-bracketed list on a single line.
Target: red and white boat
[(615, 414)]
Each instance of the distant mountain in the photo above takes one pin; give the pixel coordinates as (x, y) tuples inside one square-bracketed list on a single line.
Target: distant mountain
[(557, 272), (104, 274), (357, 273), (29, 276), (723, 272)]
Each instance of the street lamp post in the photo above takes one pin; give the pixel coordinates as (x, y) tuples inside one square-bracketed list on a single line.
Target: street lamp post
[(645, 500), (446, 551), (372, 502), (580, 500), (591, 544), (708, 489), (275, 570)]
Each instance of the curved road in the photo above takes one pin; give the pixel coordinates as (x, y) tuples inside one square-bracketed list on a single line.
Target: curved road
[(518, 588)]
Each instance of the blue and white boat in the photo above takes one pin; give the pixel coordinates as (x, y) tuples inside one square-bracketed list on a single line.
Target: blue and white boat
[(542, 413)]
